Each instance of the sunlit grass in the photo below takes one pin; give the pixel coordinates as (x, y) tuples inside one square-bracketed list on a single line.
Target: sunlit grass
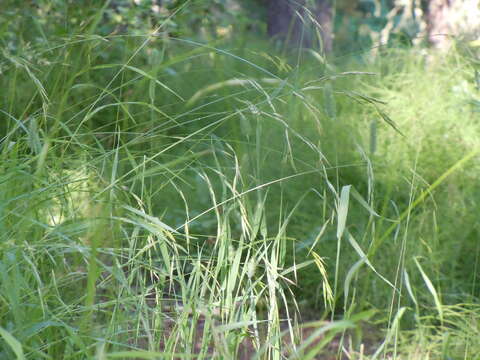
[(171, 199)]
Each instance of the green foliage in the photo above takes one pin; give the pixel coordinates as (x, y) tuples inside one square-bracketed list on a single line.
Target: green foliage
[(172, 197)]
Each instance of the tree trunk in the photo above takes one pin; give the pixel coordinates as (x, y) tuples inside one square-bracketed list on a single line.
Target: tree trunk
[(438, 25), (449, 19), (298, 23)]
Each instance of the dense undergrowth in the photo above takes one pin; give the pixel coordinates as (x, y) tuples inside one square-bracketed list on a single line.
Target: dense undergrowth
[(165, 198)]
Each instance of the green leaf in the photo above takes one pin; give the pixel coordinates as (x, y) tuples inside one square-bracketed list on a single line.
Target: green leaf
[(432, 290), (342, 210), (13, 343)]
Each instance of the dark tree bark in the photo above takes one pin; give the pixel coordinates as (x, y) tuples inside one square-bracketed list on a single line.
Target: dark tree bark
[(298, 23)]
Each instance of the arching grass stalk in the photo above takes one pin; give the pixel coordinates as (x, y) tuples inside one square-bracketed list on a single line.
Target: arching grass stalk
[(421, 198)]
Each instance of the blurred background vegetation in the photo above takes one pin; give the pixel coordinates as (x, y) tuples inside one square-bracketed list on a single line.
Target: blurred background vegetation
[(273, 159)]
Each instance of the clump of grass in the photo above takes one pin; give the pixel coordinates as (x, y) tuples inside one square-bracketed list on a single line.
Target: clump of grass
[(137, 224), (163, 198)]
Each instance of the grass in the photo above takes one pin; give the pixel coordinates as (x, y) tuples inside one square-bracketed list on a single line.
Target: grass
[(163, 198)]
